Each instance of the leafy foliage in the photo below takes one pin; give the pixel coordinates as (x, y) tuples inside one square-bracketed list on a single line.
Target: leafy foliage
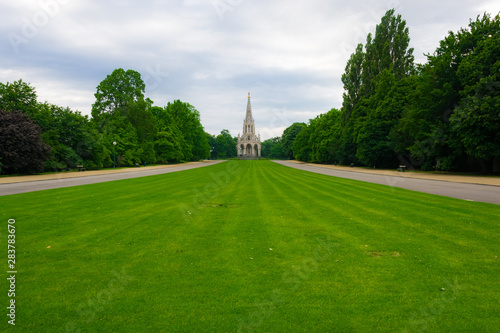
[(444, 114), (222, 145), (288, 137), (440, 115), (18, 96), (143, 133), (21, 147), (119, 91), (194, 143), (273, 148)]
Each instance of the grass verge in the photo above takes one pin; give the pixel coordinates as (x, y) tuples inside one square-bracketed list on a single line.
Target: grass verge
[(251, 246)]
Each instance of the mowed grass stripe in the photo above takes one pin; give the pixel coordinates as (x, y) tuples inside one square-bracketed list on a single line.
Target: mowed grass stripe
[(328, 212), (411, 212), (329, 276), (346, 255), (454, 221), (338, 209), (334, 204), (403, 213)]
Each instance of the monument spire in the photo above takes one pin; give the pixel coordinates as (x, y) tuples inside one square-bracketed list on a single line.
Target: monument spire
[(249, 144), (248, 116)]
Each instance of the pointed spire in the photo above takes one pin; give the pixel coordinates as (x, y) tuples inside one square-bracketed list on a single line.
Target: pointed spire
[(249, 110)]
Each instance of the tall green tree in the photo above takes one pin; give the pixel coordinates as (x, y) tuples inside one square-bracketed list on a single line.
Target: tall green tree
[(289, 135), (194, 142), (123, 115), (476, 119), (118, 92), (18, 96), (121, 94), (387, 106), (352, 82), (388, 49), (453, 115), (369, 77)]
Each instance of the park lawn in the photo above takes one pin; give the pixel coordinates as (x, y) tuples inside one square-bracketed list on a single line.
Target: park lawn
[(251, 246)]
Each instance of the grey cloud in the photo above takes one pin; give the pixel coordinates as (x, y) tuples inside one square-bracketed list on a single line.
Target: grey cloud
[(289, 54)]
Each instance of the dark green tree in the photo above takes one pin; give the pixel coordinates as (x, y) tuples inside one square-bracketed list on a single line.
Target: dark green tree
[(231, 144), (452, 115), (22, 149), (365, 117), (70, 136), (352, 82), (289, 135), (221, 146), (319, 141), (386, 107), (476, 120), (167, 147), (169, 141), (389, 49), (325, 137), (301, 147), (273, 148), (266, 147), (194, 141)]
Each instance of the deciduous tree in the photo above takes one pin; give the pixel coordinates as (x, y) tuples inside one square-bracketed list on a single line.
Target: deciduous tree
[(22, 149)]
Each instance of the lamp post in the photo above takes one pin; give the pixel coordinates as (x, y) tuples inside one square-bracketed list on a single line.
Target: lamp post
[(114, 154)]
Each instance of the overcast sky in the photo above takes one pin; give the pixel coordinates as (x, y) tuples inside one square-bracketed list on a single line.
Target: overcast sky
[(289, 54)]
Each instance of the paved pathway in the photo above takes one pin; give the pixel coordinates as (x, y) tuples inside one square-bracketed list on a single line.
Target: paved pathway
[(23, 184), (484, 189)]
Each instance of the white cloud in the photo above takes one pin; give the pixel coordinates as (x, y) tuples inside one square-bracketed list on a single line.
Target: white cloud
[(492, 7)]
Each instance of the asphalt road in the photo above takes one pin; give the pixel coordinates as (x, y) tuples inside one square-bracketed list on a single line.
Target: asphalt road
[(31, 186), (471, 192)]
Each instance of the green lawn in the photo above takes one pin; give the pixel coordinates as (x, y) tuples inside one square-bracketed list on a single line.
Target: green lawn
[(251, 246)]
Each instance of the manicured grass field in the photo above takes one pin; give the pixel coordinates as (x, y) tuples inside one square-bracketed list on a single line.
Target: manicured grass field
[(251, 246)]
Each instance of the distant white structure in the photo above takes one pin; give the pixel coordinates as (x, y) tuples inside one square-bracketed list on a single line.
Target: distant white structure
[(249, 145)]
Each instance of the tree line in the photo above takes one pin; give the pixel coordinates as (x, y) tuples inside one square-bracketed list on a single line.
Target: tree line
[(223, 145), (441, 115), (36, 137)]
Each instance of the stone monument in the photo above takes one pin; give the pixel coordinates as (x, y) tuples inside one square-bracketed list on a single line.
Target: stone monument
[(248, 143)]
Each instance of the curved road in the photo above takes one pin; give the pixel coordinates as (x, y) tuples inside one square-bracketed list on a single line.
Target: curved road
[(471, 192), (82, 179)]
